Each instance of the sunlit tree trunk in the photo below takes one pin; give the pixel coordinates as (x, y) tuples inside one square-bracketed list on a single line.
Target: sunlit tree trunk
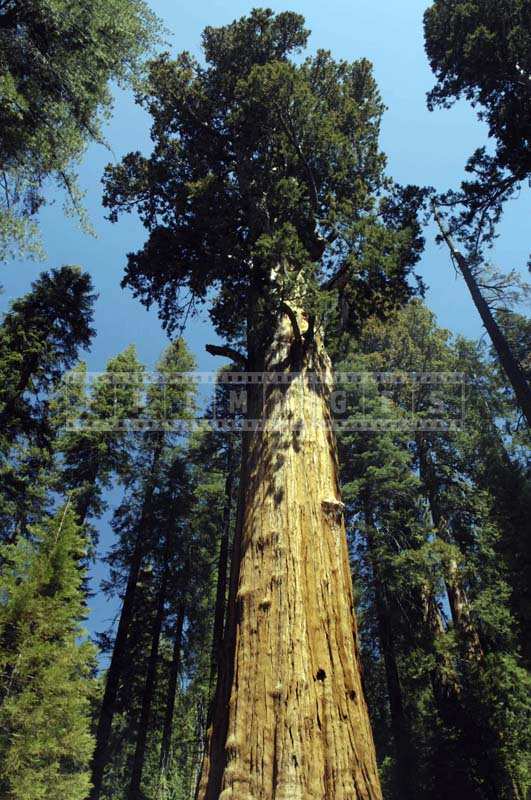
[(223, 561), (290, 721)]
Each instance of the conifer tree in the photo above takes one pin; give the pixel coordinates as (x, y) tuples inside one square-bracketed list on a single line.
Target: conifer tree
[(95, 440), (461, 552), (58, 60), (40, 338), (167, 403), (175, 660), (400, 579), (46, 665)]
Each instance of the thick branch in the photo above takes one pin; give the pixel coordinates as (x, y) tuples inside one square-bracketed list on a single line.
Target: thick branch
[(290, 130), (337, 281), (226, 352), (287, 309)]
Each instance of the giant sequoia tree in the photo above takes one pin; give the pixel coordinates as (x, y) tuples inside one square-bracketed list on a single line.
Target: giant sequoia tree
[(265, 196)]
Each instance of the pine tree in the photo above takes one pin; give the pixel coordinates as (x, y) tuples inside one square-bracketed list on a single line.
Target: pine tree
[(46, 664), (167, 403), (40, 338), (459, 558)]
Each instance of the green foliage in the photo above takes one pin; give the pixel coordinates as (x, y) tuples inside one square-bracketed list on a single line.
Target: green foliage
[(94, 439), (40, 337), (480, 50), (517, 330), (171, 396), (45, 667), (429, 513), (57, 60), (266, 176)]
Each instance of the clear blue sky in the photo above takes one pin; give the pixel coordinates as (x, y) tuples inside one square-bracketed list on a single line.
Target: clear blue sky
[(422, 148)]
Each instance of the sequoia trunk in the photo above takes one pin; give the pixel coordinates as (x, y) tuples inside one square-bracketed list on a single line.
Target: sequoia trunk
[(290, 721)]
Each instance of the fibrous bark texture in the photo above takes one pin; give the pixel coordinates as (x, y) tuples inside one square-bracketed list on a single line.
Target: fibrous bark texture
[(290, 721)]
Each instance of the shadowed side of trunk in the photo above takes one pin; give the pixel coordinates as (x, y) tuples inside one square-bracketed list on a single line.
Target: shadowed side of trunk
[(223, 561)]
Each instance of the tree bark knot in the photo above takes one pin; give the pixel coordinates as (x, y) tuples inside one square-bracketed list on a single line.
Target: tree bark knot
[(333, 510)]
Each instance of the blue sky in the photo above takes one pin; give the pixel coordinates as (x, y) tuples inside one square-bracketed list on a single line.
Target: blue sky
[(422, 147)]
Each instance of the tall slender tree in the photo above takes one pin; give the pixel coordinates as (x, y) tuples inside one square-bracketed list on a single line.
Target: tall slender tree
[(508, 361), (174, 500), (167, 403)]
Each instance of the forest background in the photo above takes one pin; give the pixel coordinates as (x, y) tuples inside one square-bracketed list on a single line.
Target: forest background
[(423, 148)]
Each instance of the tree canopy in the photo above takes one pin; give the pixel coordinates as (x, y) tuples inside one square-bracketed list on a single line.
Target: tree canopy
[(266, 172), (40, 337), (480, 50), (57, 60)]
